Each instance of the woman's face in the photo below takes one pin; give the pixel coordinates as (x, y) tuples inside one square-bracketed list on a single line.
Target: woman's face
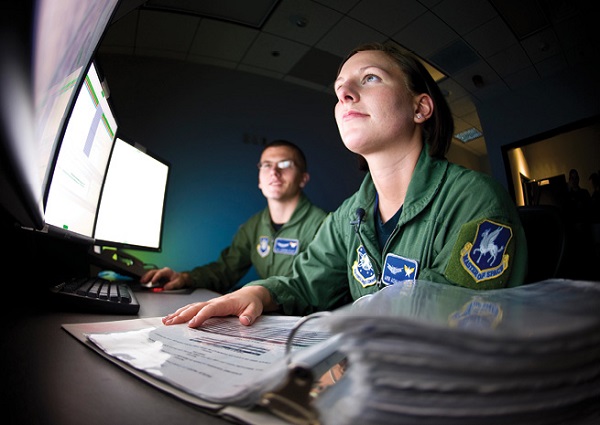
[(374, 106)]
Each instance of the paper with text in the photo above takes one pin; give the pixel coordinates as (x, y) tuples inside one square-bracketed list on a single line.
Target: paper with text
[(222, 361)]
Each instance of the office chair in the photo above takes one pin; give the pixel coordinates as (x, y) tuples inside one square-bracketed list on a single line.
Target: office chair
[(546, 235)]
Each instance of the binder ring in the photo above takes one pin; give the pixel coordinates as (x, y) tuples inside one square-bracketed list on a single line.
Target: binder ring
[(290, 338)]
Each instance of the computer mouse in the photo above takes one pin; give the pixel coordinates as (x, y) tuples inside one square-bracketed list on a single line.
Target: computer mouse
[(158, 283)]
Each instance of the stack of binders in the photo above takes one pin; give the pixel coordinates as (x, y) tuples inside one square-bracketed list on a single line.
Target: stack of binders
[(427, 353)]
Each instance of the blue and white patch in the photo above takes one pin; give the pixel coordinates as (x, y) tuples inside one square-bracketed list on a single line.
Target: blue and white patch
[(486, 257), (263, 248), (398, 269), (286, 246), (362, 269), (477, 314)]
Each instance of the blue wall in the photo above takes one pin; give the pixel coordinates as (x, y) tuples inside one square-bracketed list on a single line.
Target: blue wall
[(198, 118)]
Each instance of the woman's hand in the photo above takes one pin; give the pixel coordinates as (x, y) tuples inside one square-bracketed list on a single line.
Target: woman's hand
[(248, 303)]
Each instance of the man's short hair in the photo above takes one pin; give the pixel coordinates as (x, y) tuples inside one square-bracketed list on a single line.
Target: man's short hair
[(300, 157)]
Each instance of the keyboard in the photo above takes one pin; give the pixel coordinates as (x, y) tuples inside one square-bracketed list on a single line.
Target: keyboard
[(96, 294)]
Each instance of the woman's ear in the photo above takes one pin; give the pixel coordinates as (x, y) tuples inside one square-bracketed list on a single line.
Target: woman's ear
[(423, 108)]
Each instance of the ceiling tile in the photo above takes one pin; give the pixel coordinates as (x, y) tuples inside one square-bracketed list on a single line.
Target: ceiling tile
[(460, 125), (346, 35), (231, 45), (438, 35), (430, 3), (317, 66), (464, 15), (252, 13), (274, 53), (319, 19), (463, 106), (522, 77), (551, 65), (166, 31), (509, 60), (122, 32), (524, 17), (388, 16), (455, 57), (541, 45), (481, 68), (343, 6), (491, 37), (454, 90)]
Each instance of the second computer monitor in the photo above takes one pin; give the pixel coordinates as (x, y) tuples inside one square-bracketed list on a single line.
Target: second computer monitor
[(131, 211)]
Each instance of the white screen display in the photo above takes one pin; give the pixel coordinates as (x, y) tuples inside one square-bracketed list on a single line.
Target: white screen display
[(82, 160), (132, 203)]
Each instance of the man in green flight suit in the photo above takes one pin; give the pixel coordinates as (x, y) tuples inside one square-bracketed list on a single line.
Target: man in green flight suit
[(271, 239)]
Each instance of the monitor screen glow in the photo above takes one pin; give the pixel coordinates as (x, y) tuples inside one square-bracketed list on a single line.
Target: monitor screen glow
[(82, 160), (131, 211), (45, 48)]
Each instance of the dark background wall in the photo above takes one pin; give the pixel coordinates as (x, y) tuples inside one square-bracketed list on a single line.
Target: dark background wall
[(539, 108)]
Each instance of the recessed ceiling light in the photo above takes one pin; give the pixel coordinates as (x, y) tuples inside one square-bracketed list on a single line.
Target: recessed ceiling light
[(468, 135)]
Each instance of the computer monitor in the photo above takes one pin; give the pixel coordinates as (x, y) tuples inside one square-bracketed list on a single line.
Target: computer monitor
[(82, 161), (45, 49), (131, 211), (132, 207)]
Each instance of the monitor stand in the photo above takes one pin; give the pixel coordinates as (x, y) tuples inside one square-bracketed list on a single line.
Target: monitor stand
[(117, 261)]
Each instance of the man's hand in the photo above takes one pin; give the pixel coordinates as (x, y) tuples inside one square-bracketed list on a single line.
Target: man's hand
[(174, 280)]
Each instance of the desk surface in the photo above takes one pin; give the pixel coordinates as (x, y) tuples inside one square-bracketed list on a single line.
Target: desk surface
[(51, 378)]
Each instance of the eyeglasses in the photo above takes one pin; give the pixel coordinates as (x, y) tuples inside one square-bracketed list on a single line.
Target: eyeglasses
[(280, 165)]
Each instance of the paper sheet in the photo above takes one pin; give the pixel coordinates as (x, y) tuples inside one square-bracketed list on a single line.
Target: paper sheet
[(221, 362)]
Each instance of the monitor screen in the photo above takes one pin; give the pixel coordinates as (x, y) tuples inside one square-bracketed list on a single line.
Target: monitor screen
[(63, 49), (131, 211), (82, 160), (45, 48)]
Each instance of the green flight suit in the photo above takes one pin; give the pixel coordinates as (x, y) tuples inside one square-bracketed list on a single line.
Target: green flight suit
[(457, 226), (256, 243)]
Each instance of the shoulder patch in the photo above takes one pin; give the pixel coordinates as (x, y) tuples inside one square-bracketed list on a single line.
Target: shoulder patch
[(362, 269), (263, 248), (480, 257)]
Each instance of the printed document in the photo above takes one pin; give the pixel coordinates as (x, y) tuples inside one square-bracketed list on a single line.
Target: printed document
[(220, 362)]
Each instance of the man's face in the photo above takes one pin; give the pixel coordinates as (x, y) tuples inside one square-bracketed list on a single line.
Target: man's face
[(280, 177)]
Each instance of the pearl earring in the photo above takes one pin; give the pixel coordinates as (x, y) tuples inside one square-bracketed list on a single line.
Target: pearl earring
[(419, 116)]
